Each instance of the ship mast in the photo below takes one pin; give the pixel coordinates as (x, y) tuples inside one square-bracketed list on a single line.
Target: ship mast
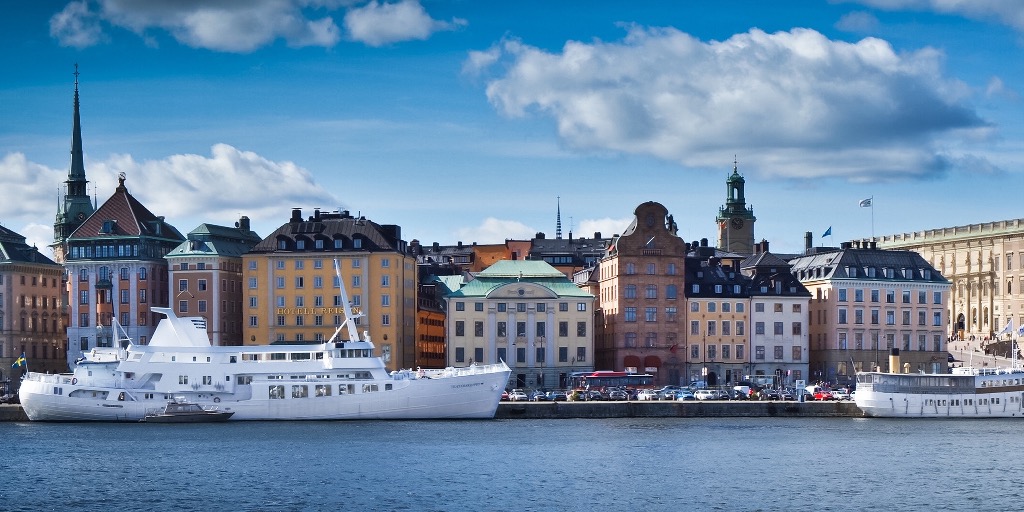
[(346, 308)]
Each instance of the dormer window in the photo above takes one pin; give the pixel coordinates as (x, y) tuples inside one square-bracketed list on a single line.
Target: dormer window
[(109, 227)]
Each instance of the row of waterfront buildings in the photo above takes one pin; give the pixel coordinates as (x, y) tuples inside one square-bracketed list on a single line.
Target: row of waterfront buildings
[(643, 301)]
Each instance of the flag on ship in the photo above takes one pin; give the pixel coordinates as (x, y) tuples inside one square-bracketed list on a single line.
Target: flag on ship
[(19, 361), (864, 203)]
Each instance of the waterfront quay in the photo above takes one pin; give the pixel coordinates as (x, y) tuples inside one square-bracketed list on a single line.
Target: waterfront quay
[(634, 409), (677, 409)]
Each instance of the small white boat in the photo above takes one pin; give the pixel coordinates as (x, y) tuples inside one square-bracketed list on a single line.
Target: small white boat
[(178, 411)]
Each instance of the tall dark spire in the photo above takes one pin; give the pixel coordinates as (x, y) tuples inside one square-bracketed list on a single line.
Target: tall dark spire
[(76, 207), (558, 218), (77, 172)]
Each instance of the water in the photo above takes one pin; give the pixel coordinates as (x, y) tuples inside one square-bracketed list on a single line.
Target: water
[(677, 464)]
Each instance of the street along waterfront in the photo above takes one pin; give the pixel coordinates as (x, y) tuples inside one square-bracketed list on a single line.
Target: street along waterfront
[(615, 464)]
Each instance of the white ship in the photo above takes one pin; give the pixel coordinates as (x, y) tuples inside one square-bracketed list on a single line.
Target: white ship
[(964, 393), (335, 380)]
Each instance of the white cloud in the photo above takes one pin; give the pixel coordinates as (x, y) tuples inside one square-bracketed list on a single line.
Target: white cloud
[(1007, 12), (378, 24), (31, 190), (859, 22), (606, 226), (76, 26), (795, 100), (216, 25), (186, 189), (495, 231)]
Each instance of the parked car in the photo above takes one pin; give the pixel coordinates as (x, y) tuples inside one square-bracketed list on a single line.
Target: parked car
[(824, 394), (504, 396), (594, 395), (840, 394), (557, 396), (518, 395), (538, 396), (768, 394), (647, 394), (706, 394), (685, 395), (617, 394)]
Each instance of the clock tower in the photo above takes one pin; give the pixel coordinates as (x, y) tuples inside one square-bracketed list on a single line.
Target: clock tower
[(75, 207), (735, 219)]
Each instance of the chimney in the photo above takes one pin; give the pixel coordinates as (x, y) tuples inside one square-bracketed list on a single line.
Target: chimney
[(764, 245), (243, 223), (316, 214), (597, 234), (894, 361), (808, 241), (296, 215)]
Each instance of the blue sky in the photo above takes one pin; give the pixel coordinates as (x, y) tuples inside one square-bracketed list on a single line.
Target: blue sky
[(465, 121)]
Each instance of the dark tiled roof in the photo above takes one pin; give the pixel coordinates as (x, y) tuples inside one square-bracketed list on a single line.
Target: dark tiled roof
[(329, 227), (13, 249), (859, 263), (124, 216)]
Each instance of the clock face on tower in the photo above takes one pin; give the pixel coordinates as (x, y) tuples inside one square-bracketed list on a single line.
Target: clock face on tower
[(737, 223), (81, 216)]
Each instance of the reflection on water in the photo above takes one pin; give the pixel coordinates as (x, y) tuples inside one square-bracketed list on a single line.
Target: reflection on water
[(615, 464)]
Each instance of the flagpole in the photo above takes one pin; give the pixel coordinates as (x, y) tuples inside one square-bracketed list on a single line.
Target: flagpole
[(872, 218)]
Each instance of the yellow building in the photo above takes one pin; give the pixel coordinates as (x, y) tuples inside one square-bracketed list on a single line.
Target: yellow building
[(292, 295)]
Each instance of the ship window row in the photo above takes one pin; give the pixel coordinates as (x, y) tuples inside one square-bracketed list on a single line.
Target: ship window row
[(355, 375), (969, 402), (277, 391), (999, 383), (281, 356)]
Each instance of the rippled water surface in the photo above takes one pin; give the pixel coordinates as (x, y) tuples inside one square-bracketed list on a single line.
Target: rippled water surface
[(521, 465)]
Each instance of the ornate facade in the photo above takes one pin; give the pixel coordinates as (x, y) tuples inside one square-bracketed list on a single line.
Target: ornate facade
[(985, 265)]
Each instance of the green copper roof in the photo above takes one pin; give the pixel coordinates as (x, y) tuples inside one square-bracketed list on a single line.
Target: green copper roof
[(506, 272)]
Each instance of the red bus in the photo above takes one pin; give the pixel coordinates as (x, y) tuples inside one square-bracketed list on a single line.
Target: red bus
[(601, 380)]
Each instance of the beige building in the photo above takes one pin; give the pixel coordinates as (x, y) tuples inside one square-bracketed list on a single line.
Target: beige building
[(985, 264), (528, 314), (865, 302)]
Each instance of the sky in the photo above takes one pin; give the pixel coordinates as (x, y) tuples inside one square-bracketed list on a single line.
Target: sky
[(476, 121)]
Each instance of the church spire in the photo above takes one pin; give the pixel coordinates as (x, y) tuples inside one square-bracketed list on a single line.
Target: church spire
[(558, 218), (77, 172)]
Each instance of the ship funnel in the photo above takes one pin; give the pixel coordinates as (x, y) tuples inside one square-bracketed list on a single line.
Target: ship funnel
[(894, 361)]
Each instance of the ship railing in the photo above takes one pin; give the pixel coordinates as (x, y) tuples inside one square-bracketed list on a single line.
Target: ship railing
[(451, 371), (50, 378)]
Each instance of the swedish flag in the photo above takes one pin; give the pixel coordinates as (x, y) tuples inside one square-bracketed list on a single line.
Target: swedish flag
[(19, 361)]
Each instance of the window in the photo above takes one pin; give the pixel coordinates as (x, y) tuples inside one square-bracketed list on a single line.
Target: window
[(478, 329), (182, 285), (777, 328), (842, 294), (630, 314), (385, 300), (202, 285), (797, 353), (778, 352), (460, 354), (906, 318), (581, 306), (460, 328), (501, 307), (890, 318), (671, 313), (581, 354), (478, 306), (318, 282), (695, 307), (460, 306), (502, 329), (777, 307), (906, 296), (740, 328), (758, 327), (202, 306), (520, 354), (183, 306), (711, 306), (541, 329), (759, 307), (563, 329), (651, 291), (671, 292), (759, 352), (521, 307), (521, 329), (651, 314), (726, 329), (630, 291), (581, 331), (842, 315), (797, 328), (385, 281), (874, 295), (937, 318), (694, 327), (936, 297), (712, 329)]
